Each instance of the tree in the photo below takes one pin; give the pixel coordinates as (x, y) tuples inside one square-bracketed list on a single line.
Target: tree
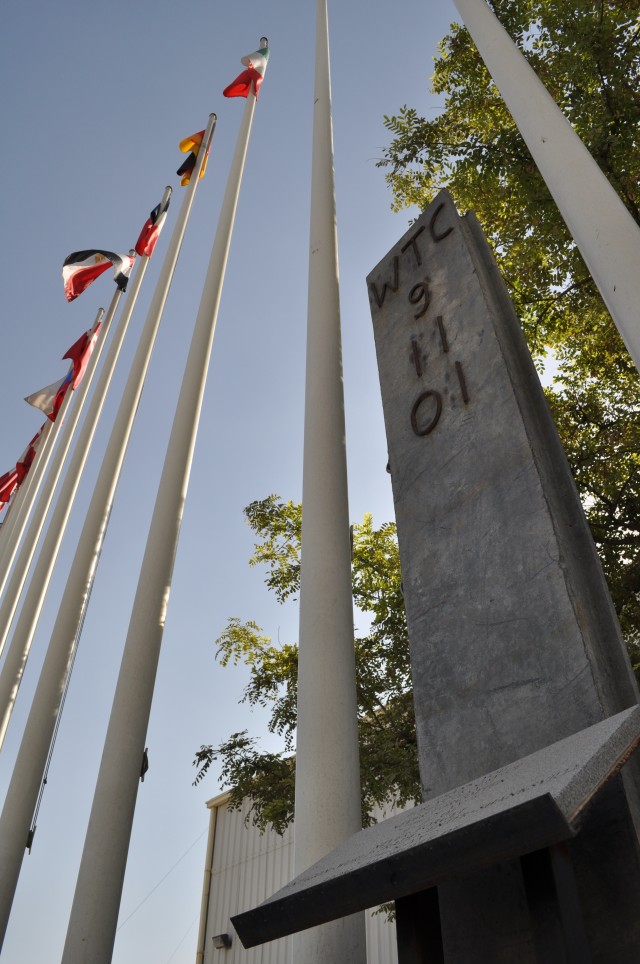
[(588, 56), (388, 753)]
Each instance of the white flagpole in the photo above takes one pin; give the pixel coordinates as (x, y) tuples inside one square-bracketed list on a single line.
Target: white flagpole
[(18, 651), (14, 509), (83, 569), (327, 802), (35, 476), (16, 583), (606, 235), (25, 782), (17, 812), (94, 915), (21, 505)]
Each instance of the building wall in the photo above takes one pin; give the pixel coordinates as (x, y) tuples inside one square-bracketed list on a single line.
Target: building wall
[(245, 868)]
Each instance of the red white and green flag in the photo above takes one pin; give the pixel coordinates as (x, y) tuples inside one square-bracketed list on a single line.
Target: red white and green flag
[(81, 268), (256, 64), (152, 228)]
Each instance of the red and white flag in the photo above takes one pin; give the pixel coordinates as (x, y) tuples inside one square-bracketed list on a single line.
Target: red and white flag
[(81, 268), (50, 398)]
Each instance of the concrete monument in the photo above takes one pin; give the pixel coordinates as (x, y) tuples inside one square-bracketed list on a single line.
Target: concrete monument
[(515, 644)]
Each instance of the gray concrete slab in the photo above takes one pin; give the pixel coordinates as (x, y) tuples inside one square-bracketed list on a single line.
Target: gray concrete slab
[(529, 804)]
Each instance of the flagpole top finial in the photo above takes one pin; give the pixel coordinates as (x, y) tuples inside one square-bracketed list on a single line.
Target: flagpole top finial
[(264, 42)]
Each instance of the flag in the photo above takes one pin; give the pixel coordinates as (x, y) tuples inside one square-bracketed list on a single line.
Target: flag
[(152, 228), (256, 64), (24, 462), (83, 267), (80, 353), (193, 144), (8, 482), (50, 398)]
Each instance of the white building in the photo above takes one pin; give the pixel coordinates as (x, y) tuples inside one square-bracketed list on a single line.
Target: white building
[(242, 868)]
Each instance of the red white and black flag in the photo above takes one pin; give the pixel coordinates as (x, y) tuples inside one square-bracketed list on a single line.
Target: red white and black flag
[(81, 268), (153, 226)]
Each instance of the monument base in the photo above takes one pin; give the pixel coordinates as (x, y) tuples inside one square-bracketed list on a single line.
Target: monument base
[(535, 863), (571, 903)]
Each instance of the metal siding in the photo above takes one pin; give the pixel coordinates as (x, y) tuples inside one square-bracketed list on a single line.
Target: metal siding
[(247, 868)]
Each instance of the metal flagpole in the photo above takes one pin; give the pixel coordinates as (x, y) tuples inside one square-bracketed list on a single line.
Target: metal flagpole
[(28, 491), (14, 509), (20, 645), (606, 235), (35, 476), (23, 789), (93, 530), (94, 915), (83, 569), (12, 839), (20, 571), (327, 800), (18, 650)]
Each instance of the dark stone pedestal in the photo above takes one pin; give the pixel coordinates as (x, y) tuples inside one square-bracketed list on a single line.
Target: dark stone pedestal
[(501, 869)]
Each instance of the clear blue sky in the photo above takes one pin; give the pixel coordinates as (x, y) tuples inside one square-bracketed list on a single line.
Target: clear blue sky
[(95, 99)]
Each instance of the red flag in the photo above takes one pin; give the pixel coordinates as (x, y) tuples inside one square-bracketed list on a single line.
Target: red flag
[(8, 483), (80, 353), (153, 226), (26, 459)]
